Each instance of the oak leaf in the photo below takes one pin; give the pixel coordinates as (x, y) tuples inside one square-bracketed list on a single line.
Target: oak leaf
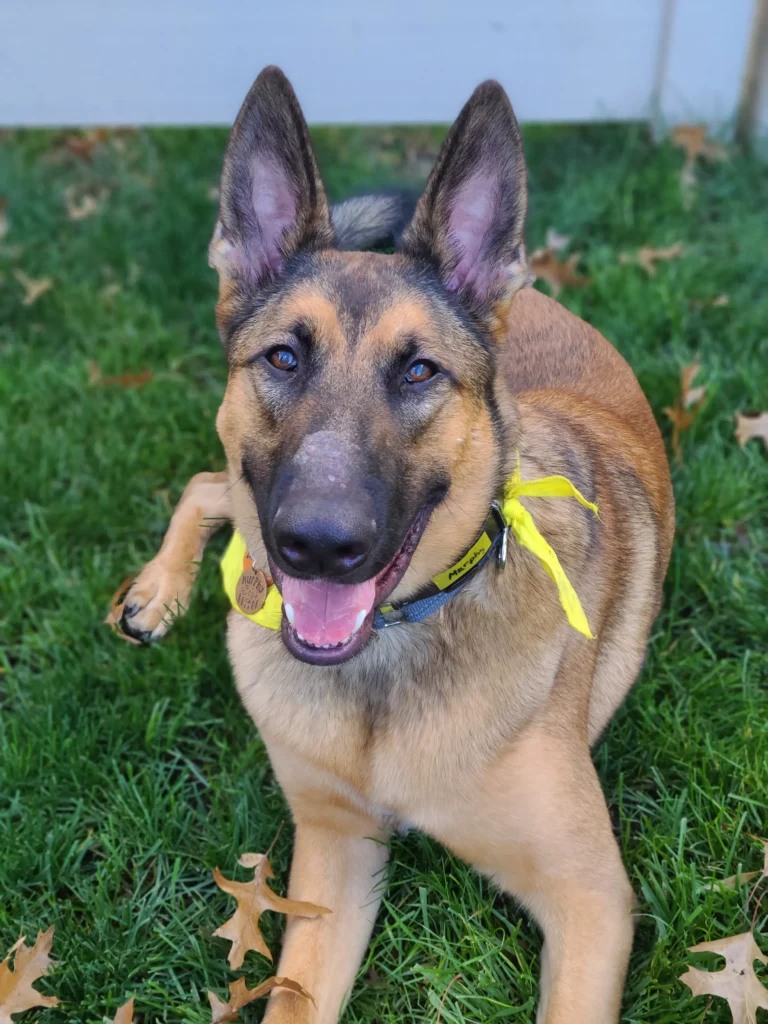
[(125, 1014), (30, 963), (557, 273), (253, 898), (82, 146), (692, 138), (130, 379), (648, 257), (33, 287), (687, 405), (748, 427), (737, 981), (240, 995)]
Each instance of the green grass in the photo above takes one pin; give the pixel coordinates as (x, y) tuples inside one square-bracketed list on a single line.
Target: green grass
[(126, 774)]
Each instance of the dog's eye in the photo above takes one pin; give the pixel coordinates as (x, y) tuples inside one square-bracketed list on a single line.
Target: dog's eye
[(420, 371), (283, 358)]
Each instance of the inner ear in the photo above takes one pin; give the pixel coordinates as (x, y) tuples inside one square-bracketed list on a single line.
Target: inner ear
[(470, 221), (272, 201)]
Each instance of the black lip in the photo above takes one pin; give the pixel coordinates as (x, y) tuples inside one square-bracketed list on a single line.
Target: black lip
[(386, 581)]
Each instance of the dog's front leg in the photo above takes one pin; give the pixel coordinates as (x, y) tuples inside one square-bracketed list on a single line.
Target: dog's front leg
[(161, 591), (339, 861), (539, 826)]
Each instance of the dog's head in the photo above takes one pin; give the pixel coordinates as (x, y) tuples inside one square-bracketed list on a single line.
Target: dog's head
[(362, 418)]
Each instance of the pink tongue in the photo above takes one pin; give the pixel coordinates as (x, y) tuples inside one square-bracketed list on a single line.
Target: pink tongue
[(325, 612)]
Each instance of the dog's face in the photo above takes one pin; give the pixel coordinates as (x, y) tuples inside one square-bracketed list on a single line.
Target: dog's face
[(362, 417)]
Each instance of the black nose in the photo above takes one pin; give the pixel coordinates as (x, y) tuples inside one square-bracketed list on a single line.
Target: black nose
[(323, 538)]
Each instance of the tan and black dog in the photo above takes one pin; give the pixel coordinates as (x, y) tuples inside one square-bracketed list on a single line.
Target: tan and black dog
[(376, 408)]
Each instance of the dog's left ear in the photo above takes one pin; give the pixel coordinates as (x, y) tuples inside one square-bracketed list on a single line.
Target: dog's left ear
[(470, 220), (272, 201)]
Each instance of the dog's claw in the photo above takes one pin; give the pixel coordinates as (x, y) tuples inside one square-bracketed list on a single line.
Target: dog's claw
[(159, 595)]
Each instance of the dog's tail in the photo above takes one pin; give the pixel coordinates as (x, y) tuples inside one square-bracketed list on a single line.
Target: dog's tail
[(366, 221)]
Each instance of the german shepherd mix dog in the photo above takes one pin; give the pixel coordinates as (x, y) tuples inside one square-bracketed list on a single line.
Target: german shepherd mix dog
[(377, 409)]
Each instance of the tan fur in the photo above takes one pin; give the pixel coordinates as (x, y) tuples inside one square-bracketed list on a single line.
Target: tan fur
[(483, 738)]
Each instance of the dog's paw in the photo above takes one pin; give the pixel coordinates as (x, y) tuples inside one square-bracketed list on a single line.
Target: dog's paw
[(158, 596)]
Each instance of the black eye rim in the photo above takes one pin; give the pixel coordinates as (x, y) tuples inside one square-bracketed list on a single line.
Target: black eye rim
[(431, 366)]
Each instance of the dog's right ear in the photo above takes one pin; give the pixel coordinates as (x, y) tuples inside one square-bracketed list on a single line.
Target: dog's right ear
[(272, 201)]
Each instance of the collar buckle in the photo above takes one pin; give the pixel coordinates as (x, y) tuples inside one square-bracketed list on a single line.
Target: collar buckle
[(501, 551)]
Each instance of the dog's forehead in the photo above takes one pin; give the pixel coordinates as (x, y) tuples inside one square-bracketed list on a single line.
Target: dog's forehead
[(354, 295)]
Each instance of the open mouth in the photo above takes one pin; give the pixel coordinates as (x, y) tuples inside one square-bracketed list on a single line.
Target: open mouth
[(325, 622)]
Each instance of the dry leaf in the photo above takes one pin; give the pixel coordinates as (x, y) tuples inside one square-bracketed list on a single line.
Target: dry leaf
[(213, 193), (119, 380), (253, 898), (734, 881), (125, 1014), (648, 257), (240, 995), (687, 405), (109, 291), (82, 146), (115, 613), (748, 427), (16, 986), (692, 138), (4, 225), (86, 207), (557, 273), (33, 287), (737, 981)]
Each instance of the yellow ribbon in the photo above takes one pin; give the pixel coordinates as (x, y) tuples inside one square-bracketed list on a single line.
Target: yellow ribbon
[(518, 518), (527, 535)]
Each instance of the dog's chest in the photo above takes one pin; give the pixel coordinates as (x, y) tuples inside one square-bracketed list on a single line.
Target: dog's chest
[(396, 736)]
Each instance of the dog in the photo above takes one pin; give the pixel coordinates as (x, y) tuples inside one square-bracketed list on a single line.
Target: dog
[(390, 418)]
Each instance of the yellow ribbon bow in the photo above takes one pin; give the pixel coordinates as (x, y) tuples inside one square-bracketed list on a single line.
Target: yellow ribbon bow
[(518, 518), (527, 535)]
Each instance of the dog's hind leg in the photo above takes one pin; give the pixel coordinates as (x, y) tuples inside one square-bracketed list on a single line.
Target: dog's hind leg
[(161, 591), (339, 859), (540, 828)]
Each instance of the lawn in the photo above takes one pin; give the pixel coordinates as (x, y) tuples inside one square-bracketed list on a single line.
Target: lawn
[(127, 774)]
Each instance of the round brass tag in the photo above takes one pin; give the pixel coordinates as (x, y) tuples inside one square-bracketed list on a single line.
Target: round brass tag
[(251, 591)]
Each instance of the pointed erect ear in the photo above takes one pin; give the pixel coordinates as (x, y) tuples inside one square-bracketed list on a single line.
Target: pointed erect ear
[(271, 199), (471, 218)]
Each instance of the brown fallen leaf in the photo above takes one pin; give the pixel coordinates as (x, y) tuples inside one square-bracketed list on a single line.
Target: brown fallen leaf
[(737, 981), (213, 193), (253, 898), (557, 273), (30, 963), (748, 427), (109, 291), (129, 379), (692, 139), (4, 225), (648, 257), (240, 995), (87, 206), (734, 881), (687, 405), (115, 613), (125, 1014), (33, 287), (82, 146)]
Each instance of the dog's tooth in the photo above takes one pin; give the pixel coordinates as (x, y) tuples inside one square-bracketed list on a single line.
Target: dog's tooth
[(360, 619), (325, 646), (298, 634), (290, 614)]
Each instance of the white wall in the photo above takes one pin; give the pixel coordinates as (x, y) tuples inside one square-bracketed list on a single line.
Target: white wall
[(192, 61)]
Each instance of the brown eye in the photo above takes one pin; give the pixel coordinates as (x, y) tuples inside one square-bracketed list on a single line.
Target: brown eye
[(420, 371), (282, 359)]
